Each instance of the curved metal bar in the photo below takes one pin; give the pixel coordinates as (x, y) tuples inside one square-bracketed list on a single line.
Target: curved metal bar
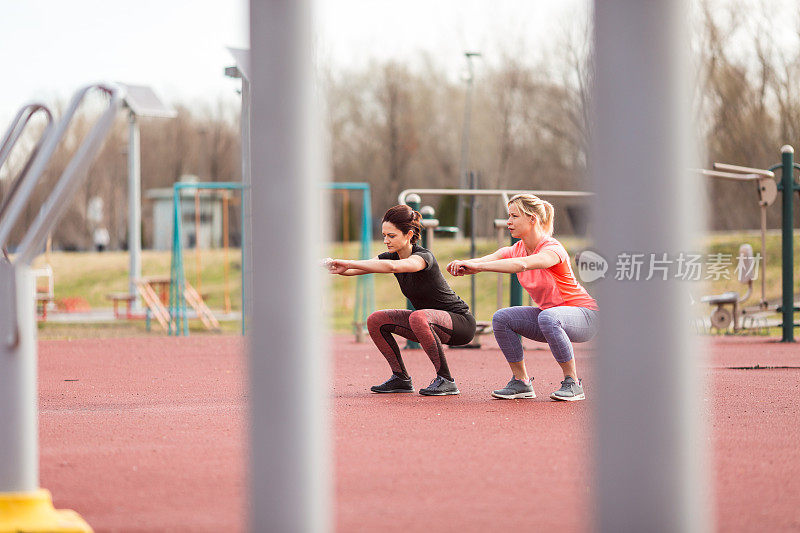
[(744, 170), (70, 179), (731, 176), (17, 126), (12, 136), (491, 192)]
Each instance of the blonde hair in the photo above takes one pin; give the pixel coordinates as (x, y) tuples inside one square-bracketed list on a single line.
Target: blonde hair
[(536, 207)]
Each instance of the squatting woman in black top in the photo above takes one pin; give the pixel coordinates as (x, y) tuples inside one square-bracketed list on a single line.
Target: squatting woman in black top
[(441, 317)]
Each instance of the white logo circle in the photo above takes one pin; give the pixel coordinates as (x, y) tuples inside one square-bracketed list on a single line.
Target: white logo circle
[(591, 266)]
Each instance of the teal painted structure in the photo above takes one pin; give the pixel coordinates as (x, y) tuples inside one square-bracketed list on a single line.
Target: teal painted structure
[(179, 324), (365, 285), (515, 288)]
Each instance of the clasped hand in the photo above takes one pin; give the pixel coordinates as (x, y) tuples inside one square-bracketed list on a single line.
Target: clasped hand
[(461, 268)]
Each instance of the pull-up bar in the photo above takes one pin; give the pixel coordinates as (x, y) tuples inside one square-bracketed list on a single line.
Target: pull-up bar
[(504, 193)]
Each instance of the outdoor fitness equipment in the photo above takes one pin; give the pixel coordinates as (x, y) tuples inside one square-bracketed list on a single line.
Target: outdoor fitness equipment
[(179, 289), (365, 285), (10, 139), (430, 225), (767, 190), (23, 503), (721, 318), (44, 298)]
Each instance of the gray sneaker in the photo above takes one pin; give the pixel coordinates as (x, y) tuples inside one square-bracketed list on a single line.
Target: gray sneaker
[(515, 389), (570, 391), (440, 387), (394, 384)]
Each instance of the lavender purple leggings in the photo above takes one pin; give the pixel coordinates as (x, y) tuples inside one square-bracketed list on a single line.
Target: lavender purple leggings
[(558, 326)]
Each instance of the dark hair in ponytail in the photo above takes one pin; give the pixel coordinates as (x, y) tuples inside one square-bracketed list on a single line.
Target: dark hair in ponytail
[(405, 219)]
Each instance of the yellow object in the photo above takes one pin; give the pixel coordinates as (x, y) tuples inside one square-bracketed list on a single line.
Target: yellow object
[(33, 512)]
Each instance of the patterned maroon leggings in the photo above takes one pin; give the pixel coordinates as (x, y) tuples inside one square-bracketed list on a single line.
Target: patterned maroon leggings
[(429, 327)]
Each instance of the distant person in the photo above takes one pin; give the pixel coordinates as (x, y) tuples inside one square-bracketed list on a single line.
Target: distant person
[(441, 317), (101, 239), (565, 313)]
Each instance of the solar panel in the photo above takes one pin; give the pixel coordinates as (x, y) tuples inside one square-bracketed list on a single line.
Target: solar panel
[(144, 102), (242, 57)]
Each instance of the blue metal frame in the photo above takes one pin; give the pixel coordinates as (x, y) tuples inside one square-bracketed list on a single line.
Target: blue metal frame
[(178, 324), (365, 285)]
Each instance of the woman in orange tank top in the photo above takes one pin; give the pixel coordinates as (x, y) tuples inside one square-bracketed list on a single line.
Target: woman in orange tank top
[(564, 312)]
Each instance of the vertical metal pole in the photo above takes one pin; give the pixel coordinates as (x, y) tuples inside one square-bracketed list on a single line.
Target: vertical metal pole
[(134, 210), (763, 303), (500, 230), (650, 470), (225, 246), (19, 443), (175, 264), (515, 288), (472, 225), (787, 186), (198, 278), (247, 210), (290, 477), (369, 281), (464, 162)]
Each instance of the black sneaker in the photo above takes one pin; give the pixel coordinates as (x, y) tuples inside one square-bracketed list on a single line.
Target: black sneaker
[(570, 391), (394, 384), (515, 389), (440, 387)]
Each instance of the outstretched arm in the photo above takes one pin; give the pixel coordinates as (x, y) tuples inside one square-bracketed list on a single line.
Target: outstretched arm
[(328, 263), (454, 267), (346, 267), (543, 259)]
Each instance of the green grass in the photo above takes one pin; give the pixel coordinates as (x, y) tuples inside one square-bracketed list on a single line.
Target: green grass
[(91, 276)]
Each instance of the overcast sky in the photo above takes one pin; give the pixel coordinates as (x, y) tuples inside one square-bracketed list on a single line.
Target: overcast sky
[(50, 48)]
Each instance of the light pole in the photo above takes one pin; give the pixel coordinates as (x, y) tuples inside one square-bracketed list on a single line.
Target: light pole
[(140, 101), (463, 166)]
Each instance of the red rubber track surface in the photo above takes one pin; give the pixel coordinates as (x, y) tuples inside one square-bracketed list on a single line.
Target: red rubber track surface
[(151, 437)]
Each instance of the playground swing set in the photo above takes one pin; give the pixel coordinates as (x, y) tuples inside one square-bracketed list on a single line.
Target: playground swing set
[(181, 291), (165, 297), (365, 285)]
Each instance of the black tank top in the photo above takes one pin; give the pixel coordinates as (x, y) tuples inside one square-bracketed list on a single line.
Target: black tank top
[(427, 289)]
